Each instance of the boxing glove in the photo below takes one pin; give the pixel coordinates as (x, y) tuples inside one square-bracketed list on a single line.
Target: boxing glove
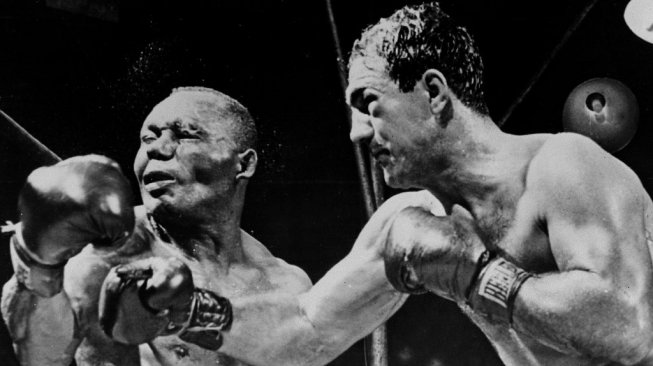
[(64, 207), (432, 253), (444, 255), (142, 300)]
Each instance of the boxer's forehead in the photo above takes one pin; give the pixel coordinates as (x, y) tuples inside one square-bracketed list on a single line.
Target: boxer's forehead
[(367, 72), (188, 110)]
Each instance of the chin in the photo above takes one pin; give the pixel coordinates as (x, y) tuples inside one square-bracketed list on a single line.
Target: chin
[(393, 180), (399, 179), (159, 207)]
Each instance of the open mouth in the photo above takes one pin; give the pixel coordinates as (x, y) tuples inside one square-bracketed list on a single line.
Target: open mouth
[(155, 181), (381, 155), (156, 176)]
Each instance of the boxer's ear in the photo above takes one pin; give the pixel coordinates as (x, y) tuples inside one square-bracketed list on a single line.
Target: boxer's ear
[(247, 160), (436, 85)]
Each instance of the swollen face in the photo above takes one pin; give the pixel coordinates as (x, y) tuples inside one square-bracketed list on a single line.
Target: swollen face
[(186, 163)]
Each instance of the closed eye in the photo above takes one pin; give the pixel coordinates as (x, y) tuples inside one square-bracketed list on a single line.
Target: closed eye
[(183, 135), (147, 139)]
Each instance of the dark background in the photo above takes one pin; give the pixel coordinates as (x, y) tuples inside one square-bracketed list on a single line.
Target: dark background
[(81, 75)]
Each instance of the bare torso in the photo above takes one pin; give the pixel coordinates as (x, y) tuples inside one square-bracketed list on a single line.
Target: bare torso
[(258, 273), (516, 231)]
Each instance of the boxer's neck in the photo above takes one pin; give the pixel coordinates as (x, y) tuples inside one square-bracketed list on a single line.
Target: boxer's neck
[(215, 237), (481, 167)]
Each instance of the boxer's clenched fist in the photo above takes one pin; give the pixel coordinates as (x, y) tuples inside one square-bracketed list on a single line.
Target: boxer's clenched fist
[(81, 200), (440, 254), (150, 297), (444, 255), (375, 231), (138, 300), (170, 289)]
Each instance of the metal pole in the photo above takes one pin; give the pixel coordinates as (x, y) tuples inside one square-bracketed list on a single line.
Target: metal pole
[(377, 343), (359, 152), (534, 79)]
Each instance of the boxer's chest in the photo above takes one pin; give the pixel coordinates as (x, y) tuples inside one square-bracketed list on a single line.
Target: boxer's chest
[(171, 350), (516, 230), (238, 280)]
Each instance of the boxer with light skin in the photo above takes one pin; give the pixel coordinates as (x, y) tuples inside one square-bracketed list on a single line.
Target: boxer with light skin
[(573, 222)]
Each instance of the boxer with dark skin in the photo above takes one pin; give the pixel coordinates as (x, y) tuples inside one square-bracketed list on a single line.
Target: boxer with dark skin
[(196, 157)]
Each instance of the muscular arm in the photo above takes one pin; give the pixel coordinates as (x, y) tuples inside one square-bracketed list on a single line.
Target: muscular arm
[(313, 328), (42, 329), (599, 302), (350, 301)]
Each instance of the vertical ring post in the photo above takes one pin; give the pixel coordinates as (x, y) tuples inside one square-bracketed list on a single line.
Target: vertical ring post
[(376, 344)]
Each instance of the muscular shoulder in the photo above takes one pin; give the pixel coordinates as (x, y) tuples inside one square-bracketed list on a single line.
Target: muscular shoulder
[(289, 277), (571, 172), (292, 278), (571, 161)]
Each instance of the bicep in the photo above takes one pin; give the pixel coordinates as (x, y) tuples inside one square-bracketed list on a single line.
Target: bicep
[(594, 215), (42, 329)]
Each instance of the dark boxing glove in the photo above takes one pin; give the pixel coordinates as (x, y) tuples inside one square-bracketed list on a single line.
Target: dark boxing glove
[(444, 255), (64, 207), (156, 296)]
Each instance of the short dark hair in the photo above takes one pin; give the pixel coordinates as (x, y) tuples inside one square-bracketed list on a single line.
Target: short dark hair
[(419, 37), (241, 121)]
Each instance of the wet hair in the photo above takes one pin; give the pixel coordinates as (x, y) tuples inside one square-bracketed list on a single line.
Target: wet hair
[(420, 37), (242, 123)]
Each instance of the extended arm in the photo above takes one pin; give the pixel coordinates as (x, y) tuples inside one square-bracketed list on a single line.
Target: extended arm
[(286, 327), (350, 301)]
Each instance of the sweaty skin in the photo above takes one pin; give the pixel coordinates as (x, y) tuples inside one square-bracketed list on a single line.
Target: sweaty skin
[(350, 301), (589, 304), (556, 205), (592, 300)]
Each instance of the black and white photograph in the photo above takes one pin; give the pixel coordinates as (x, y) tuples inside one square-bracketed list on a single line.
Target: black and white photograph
[(326, 182)]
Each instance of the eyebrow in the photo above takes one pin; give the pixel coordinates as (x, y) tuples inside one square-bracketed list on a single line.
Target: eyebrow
[(176, 124)]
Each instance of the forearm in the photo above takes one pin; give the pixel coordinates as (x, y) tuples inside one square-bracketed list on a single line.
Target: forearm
[(348, 303), (42, 329), (578, 312)]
